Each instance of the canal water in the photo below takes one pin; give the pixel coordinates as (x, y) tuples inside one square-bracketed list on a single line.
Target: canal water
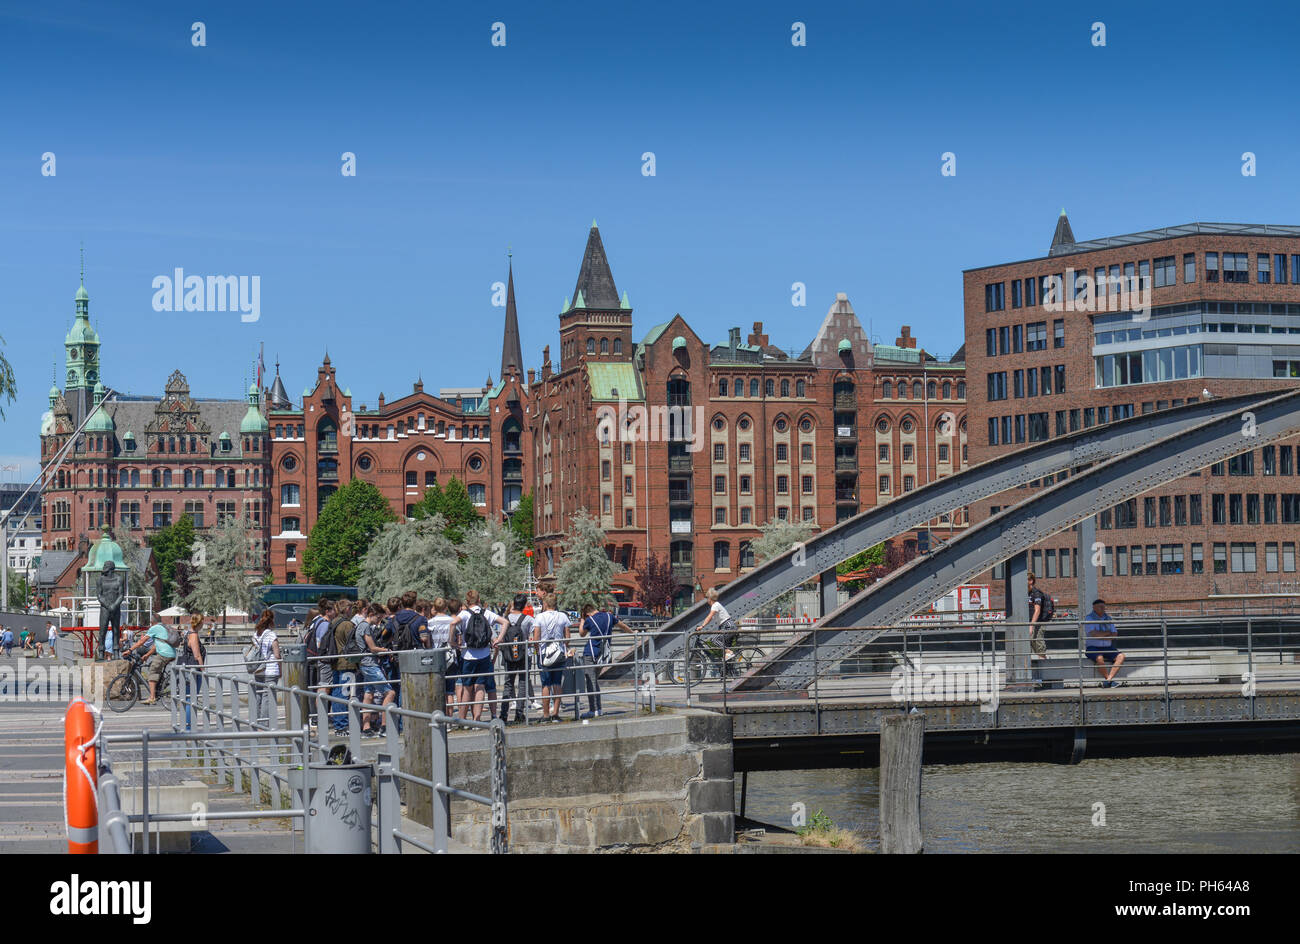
[(1150, 804)]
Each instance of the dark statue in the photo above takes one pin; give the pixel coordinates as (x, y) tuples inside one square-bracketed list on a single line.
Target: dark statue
[(110, 590)]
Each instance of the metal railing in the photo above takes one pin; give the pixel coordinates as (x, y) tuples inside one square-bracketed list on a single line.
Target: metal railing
[(227, 725), (1230, 659)]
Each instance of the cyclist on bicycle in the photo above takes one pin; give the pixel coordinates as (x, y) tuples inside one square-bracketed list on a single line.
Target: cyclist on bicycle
[(725, 637), (163, 654)]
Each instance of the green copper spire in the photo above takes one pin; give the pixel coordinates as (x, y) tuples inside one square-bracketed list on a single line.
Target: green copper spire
[(593, 223), (579, 302), (253, 421), (625, 304), (81, 346)]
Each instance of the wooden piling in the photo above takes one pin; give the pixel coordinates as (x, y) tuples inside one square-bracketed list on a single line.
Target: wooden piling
[(901, 739)]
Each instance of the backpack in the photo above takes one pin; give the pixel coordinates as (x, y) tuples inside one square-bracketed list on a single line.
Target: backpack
[(553, 653), (514, 639), (403, 637), (253, 661), (326, 645), (477, 633), (186, 657), (599, 636), (1049, 608), (353, 646)]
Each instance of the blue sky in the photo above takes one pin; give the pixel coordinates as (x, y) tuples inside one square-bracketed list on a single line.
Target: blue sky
[(774, 164)]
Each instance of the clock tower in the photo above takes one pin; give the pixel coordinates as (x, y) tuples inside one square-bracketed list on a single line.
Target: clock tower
[(82, 359)]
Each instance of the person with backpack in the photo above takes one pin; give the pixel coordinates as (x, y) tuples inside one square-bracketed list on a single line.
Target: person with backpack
[(475, 635), (193, 655), (440, 638), (7, 640), (373, 678), (320, 649), (598, 626), (514, 659), (551, 634), (1041, 609)]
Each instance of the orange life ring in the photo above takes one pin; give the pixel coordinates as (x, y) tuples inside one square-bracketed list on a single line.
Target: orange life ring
[(80, 779)]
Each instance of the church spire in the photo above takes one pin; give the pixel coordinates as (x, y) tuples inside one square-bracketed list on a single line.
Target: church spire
[(1063, 238), (511, 354)]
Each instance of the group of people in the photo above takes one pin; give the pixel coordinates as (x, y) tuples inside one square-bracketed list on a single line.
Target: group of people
[(29, 641), (1099, 630), (352, 649)]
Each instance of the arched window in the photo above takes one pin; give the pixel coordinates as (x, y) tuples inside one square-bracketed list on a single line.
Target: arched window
[(785, 388), (887, 390), (902, 390), (753, 386), (123, 479), (618, 345), (961, 390), (769, 387), (604, 345), (198, 479), (167, 478), (930, 389), (799, 389), (591, 345), (947, 390), (722, 387), (189, 478), (916, 389)]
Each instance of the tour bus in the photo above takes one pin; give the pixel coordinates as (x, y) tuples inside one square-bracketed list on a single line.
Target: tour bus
[(290, 601)]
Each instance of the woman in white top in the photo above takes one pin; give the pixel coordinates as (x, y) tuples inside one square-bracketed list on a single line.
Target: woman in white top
[(726, 634), (440, 638), (268, 644)]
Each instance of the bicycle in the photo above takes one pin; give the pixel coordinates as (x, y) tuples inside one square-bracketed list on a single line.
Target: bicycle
[(704, 659), (130, 686)]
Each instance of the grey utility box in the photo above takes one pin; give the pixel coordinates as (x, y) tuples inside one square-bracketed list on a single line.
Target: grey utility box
[(338, 808)]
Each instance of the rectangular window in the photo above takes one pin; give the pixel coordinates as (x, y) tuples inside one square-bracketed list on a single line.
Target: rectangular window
[(1067, 569), (1165, 273), (1286, 464), (1279, 266), (909, 452), (1166, 511), (1236, 267), (1198, 559), (1036, 336), (883, 452), (1171, 559), (1234, 509), (1243, 464), (1153, 562), (806, 483), (1189, 267), (719, 516), (1058, 333), (1017, 339), (1180, 509), (627, 452), (1288, 557), (1018, 384), (1004, 340), (805, 452), (1262, 268), (743, 452), (746, 515), (1218, 512), (604, 472), (1252, 509), (1031, 291), (627, 485), (782, 485), (991, 342), (782, 452), (719, 485), (289, 494), (1020, 427), (1243, 557), (1270, 557), (1121, 561), (994, 296), (1212, 275), (1016, 289), (1136, 569), (719, 452), (1149, 512), (1074, 421), (1031, 382), (1060, 423), (1268, 456)]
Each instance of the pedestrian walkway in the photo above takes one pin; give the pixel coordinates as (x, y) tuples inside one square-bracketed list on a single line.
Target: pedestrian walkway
[(31, 786)]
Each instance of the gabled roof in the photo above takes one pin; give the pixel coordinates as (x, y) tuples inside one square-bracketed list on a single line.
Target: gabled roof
[(595, 281)]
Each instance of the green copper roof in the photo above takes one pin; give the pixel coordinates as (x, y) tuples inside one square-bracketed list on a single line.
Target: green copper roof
[(655, 333), (679, 342), (845, 345), (253, 421), (102, 551), (612, 381), (889, 352), (81, 331), (100, 421), (625, 304), (82, 296), (579, 302)]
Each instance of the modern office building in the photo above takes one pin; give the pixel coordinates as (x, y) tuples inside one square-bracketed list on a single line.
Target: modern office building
[(1103, 329)]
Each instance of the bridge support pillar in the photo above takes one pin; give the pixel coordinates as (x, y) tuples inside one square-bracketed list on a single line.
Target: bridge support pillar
[(829, 587), (1086, 571), (1016, 593)]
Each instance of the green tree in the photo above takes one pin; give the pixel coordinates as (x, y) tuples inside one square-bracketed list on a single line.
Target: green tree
[(866, 560), (410, 555), (230, 559), (8, 383), (521, 522), (453, 503), (172, 545), (776, 538), (18, 590), (347, 524), (585, 569), (492, 562)]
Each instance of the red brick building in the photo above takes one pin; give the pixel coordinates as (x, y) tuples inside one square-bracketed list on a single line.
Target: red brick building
[(402, 446), (142, 462), (1059, 343), (683, 448)]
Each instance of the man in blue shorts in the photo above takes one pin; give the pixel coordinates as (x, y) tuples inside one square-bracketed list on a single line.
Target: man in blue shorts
[(373, 679), (1101, 634)]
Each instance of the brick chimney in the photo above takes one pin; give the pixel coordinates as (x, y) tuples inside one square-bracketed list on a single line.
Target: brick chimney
[(906, 340), (381, 401), (758, 338), (546, 362), (532, 376)]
